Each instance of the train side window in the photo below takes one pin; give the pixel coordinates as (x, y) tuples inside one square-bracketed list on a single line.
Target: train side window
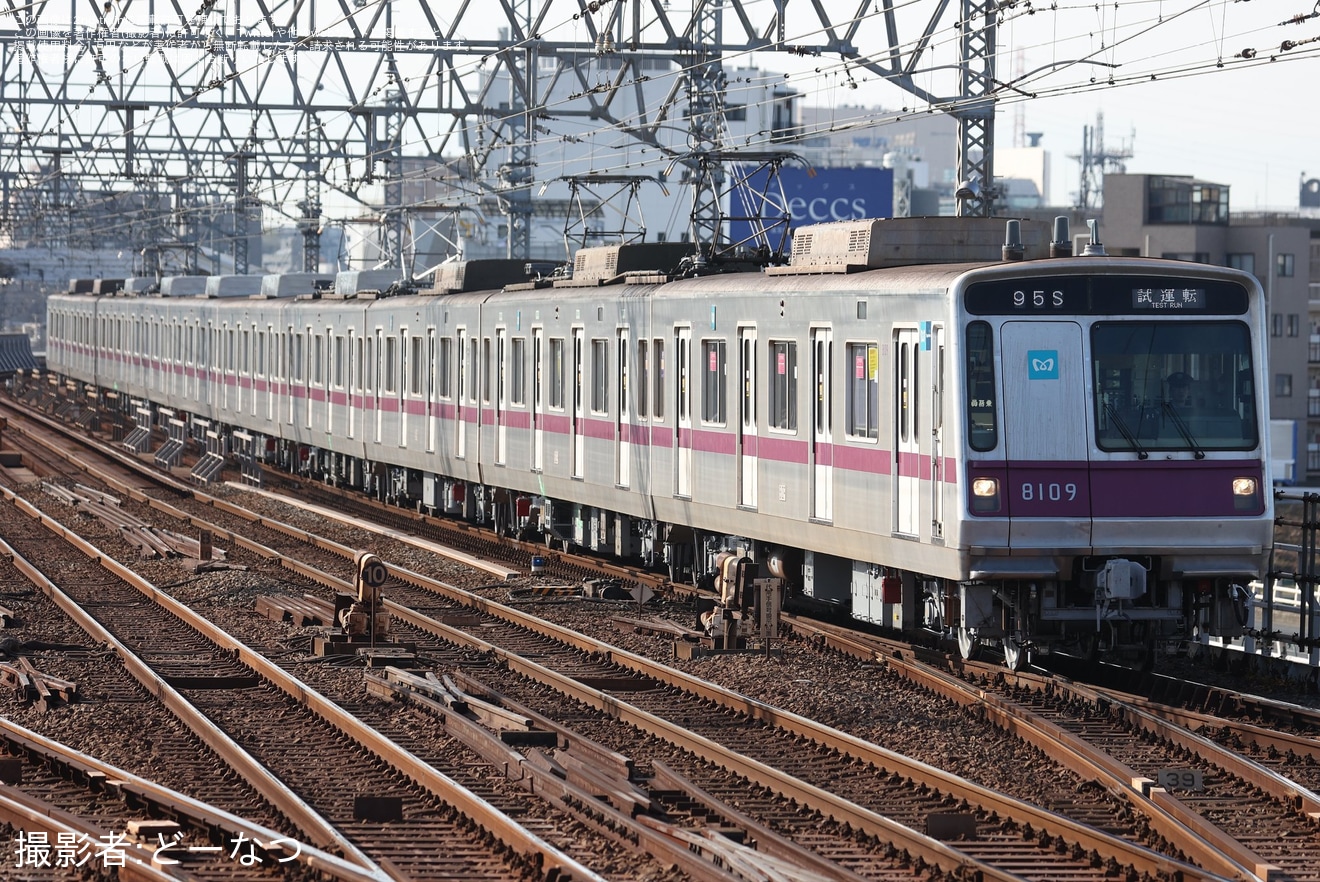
[(714, 388), (658, 379), (387, 363), (416, 365), (783, 385), (444, 368), (864, 391), (556, 393), (982, 430), (518, 371), (473, 364), (485, 369), (643, 381), (600, 376)]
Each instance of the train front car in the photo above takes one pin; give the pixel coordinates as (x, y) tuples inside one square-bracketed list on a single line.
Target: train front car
[(1116, 486)]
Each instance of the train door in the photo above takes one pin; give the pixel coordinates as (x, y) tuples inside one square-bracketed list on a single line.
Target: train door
[(937, 434), (432, 405), (747, 451), (907, 438), (1046, 434), (501, 393), (683, 412), (464, 380), (623, 415), (402, 358), (577, 440), (822, 431), (354, 380), (538, 398), (379, 387)]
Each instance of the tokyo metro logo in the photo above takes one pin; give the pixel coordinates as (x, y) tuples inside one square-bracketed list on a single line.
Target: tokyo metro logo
[(1043, 364)]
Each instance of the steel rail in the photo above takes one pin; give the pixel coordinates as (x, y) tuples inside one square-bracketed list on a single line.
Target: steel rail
[(937, 853), (1170, 817), (80, 765), (518, 838), (307, 819)]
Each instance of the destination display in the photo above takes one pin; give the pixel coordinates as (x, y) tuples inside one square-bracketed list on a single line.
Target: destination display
[(1104, 295)]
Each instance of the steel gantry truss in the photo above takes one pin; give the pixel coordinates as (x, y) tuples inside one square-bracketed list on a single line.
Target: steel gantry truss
[(163, 125)]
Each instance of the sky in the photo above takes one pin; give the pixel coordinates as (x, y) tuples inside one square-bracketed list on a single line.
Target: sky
[(1181, 100)]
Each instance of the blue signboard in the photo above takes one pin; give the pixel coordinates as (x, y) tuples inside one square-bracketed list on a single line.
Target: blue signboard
[(830, 194)]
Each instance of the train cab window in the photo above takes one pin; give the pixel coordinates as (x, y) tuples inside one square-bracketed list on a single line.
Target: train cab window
[(556, 378), (864, 391), (1173, 385), (783, 385), (982, 430), (714, 389)]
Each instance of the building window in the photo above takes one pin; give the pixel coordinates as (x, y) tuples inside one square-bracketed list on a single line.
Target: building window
[(1245, 262), (1276, 324), (1283, 264), (1180, 200), (1283, 385), (1294, 324)]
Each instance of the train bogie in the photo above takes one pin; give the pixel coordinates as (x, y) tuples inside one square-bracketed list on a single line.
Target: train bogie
[(988, 451)]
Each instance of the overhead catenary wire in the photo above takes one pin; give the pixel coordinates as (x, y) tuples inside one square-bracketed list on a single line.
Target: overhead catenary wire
[(827, 72)]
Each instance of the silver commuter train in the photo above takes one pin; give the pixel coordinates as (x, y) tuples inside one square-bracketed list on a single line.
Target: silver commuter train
[(909, 420)]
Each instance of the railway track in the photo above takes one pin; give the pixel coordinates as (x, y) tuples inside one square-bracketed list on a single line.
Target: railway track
[(1190, 770), (278, 733), (740, 726)]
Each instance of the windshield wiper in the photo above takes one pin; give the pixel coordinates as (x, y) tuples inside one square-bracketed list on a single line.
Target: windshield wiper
[(1125, 431), (1183, 430)]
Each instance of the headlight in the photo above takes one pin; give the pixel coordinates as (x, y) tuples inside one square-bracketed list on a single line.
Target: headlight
[(985, 494), (1244, 494), (1244, 486)]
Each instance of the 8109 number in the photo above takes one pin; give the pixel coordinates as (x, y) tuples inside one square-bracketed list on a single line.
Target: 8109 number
[(1053, 492)]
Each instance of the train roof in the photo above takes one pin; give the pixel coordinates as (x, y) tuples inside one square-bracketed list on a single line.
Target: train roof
[(233, 286), (296, 284), (183, 286)]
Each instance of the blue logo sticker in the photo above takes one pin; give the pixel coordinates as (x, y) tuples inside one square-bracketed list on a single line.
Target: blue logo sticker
[(1042, 364)]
